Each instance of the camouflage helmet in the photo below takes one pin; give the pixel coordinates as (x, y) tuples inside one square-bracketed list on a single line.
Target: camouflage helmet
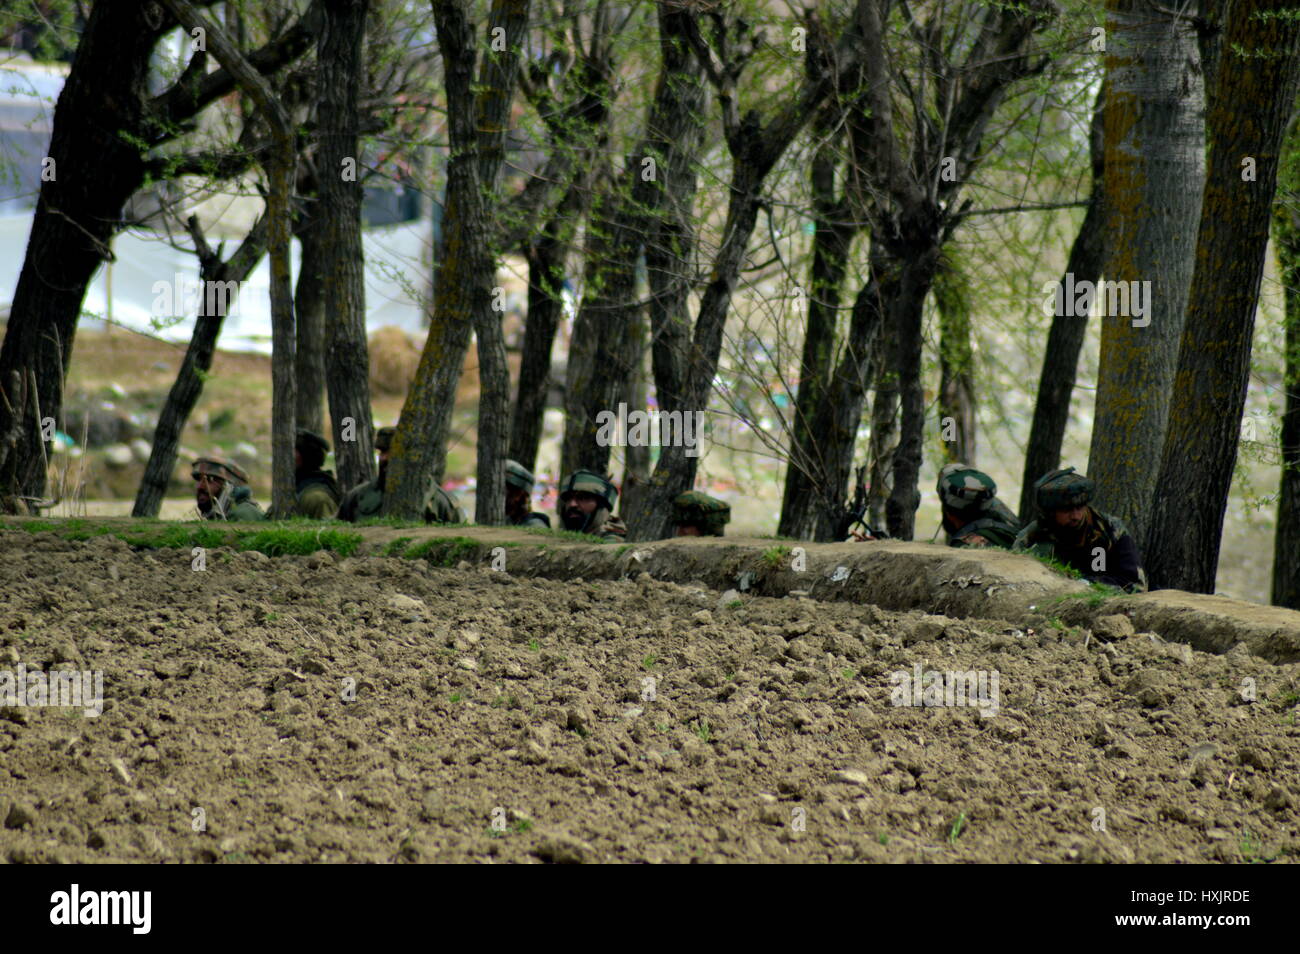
[(222, 467), (961, 486), (311, 446), (384, 439), (517, 475), (589, 482), (708, 513), (1062, 489)]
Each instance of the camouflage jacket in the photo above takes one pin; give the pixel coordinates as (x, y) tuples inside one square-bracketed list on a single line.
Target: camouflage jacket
[(367, 500), (608, 526), (317, 495), (1107, 545), (992, 520), (241, 507)]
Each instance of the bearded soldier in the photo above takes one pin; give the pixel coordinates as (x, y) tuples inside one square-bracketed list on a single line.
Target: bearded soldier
[(1098, 545), (316, 492), (519, 497), (221, 491), (972, 514), (697, 514), (367, 500), (586, 505)]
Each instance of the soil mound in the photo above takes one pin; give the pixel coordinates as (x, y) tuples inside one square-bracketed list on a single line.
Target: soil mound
[(382, 709)]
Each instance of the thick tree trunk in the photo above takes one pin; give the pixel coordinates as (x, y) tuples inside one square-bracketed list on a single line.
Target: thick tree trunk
[(95, 169), (309, 314), (653, 199), (1154, 173), (956, 364), (1259, 70), (808, 473), (463, 298), (341, 68), (77, 214), (1066, 335), (188, 387)]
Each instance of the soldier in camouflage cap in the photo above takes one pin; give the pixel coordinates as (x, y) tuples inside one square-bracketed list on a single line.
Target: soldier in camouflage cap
[(972, 514), (367, 500), (519, 497), (221, 492), (316, 492), (1069, 530), (697, 514), (586, 505)]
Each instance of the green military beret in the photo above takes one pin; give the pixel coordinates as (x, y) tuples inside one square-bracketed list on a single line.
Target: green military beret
[(961, 486), (517, 475), (384, 438), (222, 467), (589, 482), (1062, 489), (709, 513)]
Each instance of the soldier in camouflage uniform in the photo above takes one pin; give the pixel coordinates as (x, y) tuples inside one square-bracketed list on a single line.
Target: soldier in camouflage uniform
[(586, 505), (697, 514), (367, 500), (221, 491), (316, 492), (1098, 545), (972, 514), (519, 494)]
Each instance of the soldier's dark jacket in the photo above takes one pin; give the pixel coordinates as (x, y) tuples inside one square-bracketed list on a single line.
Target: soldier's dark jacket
[(1121, 564), (317, 494)]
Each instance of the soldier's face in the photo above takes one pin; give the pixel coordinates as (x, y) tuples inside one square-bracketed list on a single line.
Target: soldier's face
[(577, 508), (207, 488), (687, 530), (1071, 518), (297, 459), (516, 500)]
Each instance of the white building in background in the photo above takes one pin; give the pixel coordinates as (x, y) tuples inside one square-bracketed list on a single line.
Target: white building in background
[(397, 253)]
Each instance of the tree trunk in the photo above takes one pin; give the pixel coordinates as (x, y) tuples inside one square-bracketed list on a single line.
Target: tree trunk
[(915, 278), (598, 357), (652, 199), (884, 427), (77, 215), (1254, 95), (466, 273), (1286, 234), (188, 387), (956, 364), (341, 68), (1067, 332), (675, 471), (309, 312), (546, 263), (840, 412), (808, 472), (1154, 173), (95, 169)]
